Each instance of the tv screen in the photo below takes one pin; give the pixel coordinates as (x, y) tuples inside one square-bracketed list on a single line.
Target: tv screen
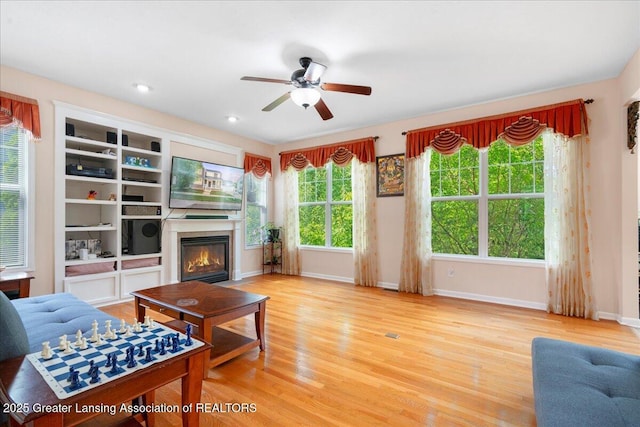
[(201, 185)]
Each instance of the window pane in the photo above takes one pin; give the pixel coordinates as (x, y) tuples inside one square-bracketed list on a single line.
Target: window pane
[(516, 169), (340, 183), (13, 197), (516, 228), (312, 185), (312, 225), (341, 226), (456, 174), (256, 209), (455, 227)]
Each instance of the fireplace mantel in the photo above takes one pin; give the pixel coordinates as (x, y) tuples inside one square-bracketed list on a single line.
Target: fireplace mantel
[(176, 226)]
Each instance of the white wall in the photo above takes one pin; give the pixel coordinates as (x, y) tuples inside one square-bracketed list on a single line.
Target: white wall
[(518, 283), (46, 91)]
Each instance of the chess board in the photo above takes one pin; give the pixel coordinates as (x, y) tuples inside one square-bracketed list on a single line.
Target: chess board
[(56, 370)]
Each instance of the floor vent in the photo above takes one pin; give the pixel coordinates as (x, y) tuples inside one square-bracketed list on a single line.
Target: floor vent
[(392, 335)]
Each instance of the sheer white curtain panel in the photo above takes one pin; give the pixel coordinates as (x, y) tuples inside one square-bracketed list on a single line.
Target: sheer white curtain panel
[(365, 255), (415, 274), (567, 226)]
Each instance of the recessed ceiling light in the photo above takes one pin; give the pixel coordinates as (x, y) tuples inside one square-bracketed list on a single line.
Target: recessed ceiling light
[(143, 88), (232, 119)]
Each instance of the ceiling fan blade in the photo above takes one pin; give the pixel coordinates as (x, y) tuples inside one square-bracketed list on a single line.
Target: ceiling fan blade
[(262, 79), (277, 102), (323, 110), (337, 87), (314, 72)]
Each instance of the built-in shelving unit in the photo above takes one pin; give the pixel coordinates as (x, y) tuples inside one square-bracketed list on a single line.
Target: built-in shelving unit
[(109, 172)]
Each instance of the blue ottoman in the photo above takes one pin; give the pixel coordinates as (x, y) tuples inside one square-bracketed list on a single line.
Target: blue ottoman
[(47, 317), (579, 385)]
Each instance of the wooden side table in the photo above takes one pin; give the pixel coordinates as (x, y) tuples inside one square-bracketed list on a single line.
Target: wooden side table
[(12, 282)]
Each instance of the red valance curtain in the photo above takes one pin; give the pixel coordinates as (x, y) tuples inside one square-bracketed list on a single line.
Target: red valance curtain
[(257, 165), (517, 128), (22, 111), (341, 153)]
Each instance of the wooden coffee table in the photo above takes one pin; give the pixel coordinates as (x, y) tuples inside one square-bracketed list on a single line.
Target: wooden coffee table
[(206, 306)]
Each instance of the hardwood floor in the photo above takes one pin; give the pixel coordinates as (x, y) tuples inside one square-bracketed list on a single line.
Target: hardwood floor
[(329, 360)]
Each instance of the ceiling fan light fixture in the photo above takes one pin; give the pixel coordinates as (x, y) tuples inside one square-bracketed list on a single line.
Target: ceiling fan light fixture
[(305, 96)]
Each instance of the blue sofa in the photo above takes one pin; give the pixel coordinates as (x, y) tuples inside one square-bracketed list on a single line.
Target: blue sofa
[(579, 385), (26, 323)]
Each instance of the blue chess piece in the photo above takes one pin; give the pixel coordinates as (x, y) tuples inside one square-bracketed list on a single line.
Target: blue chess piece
[(114, 366), (75, 380), (157, 349), (94, 373), (71, 371), (108, 364), (147, 357), (188, 342), (132, 362), (163, 349), (140, 350)]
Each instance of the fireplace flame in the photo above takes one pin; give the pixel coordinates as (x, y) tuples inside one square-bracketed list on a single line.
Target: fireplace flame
[(202, 260)]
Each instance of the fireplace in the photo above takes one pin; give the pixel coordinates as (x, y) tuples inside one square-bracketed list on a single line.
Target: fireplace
[(204, 258)]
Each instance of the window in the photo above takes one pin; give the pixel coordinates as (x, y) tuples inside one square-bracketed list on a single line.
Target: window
[(255, 214), (325, 206), (489, 203), (14, 198)]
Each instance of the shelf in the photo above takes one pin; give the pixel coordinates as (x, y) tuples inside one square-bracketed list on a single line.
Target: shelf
[(89, 202), (90, 228), (141, 169), (73, 262), (127, 150), (105, 143), (141, 184), (91, 154), (86, 143), (159, 217), (143, 256), (81, 178)]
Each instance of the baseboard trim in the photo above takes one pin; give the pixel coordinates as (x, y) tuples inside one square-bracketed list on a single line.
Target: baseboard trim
[(328, 277), (490, 299)]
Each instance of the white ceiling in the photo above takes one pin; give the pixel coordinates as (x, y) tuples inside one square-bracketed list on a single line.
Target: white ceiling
[(419, 57)]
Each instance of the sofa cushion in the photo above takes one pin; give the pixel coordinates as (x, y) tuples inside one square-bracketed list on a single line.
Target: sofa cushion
[(13, 336), (47, 317), (579, 385)]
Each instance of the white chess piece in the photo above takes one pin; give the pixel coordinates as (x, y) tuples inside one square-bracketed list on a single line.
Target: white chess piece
[(83, 344), (63, 342), (128, 332), (78, 338), (146, 321), (108, 334), (67, 349), (46, 350), (94, 331), (137, 327), (123, 326)]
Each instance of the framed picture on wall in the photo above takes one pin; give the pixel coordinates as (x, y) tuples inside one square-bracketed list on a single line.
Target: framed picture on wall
[(390, 175)]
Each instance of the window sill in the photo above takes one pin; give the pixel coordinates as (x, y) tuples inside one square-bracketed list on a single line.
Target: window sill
[(326, 249), (512, 262)]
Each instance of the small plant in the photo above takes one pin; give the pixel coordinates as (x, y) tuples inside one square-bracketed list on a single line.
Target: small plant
[(271, 232)]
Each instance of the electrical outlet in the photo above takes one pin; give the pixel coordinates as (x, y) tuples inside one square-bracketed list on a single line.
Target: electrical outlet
[(451, 272)]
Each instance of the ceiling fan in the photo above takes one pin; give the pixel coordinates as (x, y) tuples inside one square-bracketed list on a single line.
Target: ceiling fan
[(306, 82)]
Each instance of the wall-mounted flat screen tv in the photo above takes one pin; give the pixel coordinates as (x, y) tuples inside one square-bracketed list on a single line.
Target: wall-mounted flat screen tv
[(197, 184)]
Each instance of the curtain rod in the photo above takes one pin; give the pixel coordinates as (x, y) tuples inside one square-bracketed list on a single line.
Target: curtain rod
[(586, 101), (375, 138)]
